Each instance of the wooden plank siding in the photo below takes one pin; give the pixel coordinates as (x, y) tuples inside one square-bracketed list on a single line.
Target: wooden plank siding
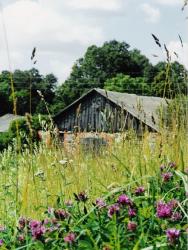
[(94, 112)]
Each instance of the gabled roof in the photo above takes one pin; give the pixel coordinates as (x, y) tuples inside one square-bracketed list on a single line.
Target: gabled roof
[(144, 108), (6, 120)]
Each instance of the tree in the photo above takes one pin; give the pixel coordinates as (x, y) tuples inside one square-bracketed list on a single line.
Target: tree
[(125, 83), (100, 64), (170, 80)]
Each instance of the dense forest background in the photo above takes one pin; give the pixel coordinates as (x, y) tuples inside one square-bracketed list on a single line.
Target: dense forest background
[(112, 66)]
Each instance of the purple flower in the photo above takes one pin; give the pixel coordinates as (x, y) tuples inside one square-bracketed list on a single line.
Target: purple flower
[(37, 229), (124, 200), (82, 196), (176, 216), (22, 222), (132, 212), (172, 164), (173, 203), (172, 235), (167, 176), (70, 238), (21, 237), (139, 190), (100, 203), (1, 242), (132, 226), (114, 209), (162, 167), (61, 214), (164, 210)]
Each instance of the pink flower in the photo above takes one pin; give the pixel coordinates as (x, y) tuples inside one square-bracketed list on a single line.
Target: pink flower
[(61, 214), (172, 235), (172, 164), (37, 229), (1, 242), (139, 190), (22, 222), (132, 212), (21, 237), (114, 209), (173, 203), (124, 200), (70, 238), (100, 203), (176, 216), (167, 176), (164, 210), (132, 226)]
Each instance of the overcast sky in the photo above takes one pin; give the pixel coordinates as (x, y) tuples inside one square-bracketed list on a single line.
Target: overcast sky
[(63, 29)]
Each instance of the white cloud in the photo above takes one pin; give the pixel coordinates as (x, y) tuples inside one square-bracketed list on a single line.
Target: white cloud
[(169, 2), (37, 23), (175, 46), (152, 13), (108, 5)]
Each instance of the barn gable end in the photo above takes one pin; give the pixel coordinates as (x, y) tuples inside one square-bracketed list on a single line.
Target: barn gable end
[(100, 110)]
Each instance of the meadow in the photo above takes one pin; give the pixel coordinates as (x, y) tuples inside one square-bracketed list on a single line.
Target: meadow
[(118, 197)]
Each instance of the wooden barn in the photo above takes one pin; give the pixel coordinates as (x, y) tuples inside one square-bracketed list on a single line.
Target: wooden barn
[(107, 111)]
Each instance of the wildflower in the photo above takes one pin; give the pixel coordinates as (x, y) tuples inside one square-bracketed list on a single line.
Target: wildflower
[(63, 162), (22, 222), (132, 226), (61, 214), (162, 167), (172, 164), (124, 200), (2, 228), (100, 203), (70, 238), (173, 203), (1, 242), (176, 216), (50, 211), (139, 190), (82, 196), (37, 229), (21, 237), (114, 209), (172, 235), (164, 210), (68, 203), (132, 212), (167, 176)]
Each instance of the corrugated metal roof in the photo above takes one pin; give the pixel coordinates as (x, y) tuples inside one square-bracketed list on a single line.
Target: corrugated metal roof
[(6, 120), (145, 108)]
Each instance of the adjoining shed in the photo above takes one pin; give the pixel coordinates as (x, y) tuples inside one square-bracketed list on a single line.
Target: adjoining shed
[(107, 111), (6, 120)]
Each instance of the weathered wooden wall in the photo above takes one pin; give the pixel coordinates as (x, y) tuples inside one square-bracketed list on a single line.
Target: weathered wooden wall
[(96, 113)]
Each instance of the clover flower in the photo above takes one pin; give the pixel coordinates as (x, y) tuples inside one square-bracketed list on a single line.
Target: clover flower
[(114, 209), (22, 222), (1, 242), (167, 176), (132, 226), (82, 196), (176, 216), (172, 164), (70, 238), (61, 214), (100, 203), (172, 235), (139, 190), (124, 200), (132, 212), (164, 210), (37, 229)]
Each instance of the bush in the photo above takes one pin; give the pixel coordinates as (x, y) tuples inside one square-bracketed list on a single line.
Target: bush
[(5, 140)]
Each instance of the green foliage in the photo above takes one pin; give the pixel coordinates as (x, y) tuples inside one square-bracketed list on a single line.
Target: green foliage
[(125, 83), (26, 84), (5, 140)]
